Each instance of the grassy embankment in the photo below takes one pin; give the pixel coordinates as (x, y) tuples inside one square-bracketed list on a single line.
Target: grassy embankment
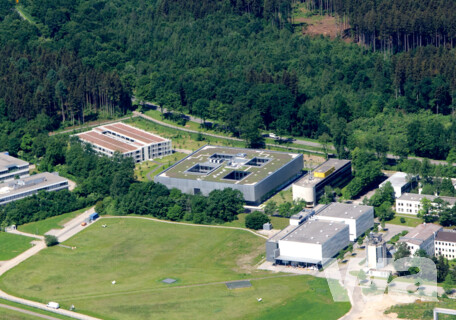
[(12, 245), (138, 254), (6, 314), (43, 226)]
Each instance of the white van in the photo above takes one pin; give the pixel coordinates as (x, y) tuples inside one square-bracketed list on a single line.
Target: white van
[(53, 305)]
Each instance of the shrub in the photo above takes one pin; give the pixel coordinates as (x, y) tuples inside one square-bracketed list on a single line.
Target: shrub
[(51, 240), (402, 220), (256, 220)]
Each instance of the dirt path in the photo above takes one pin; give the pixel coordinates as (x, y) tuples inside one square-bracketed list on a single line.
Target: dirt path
[(30, 313), (186, 224)]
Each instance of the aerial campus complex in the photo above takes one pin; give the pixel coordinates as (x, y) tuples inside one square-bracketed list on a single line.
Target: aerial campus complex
[(315, 236), (311, 187), (256, 173), (129, 141)]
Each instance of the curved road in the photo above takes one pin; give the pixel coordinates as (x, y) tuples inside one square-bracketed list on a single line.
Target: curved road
[(186, 224), (308, 143)]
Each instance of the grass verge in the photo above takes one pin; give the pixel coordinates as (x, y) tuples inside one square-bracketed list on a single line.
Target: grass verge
[(43, 226), (11, 245)]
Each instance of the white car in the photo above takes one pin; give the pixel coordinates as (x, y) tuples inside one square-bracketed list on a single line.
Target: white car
[(53, 305)]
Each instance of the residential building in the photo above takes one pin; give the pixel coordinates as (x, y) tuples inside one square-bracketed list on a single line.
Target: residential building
[(256, 173), (401, 182), (127, 140), (11, 167), (311, 187), (421, 238), (28, 186), (445, 244), (311, 243), (410, 203), (359, 218)]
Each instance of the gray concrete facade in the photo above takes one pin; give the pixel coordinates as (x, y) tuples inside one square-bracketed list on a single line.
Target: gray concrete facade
[(254, 193)]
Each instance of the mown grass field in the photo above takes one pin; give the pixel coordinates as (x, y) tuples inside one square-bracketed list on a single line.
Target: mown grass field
[(409, 221), (43, 226), (12, 245), (138, 254)]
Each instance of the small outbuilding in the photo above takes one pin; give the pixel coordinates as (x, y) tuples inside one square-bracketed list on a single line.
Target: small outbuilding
[(267, 226)]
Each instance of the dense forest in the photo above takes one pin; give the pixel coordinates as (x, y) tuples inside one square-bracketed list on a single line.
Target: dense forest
[(239, 62)]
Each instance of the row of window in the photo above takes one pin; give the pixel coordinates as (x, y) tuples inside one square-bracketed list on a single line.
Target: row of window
[(408, 204), (450, 244)]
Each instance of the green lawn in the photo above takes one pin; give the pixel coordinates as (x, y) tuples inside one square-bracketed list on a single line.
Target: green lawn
[(13, 315), (43, 226), (138, 254), (12, 245), (422, 310), (409, 221), (282, 196), (277, 222)]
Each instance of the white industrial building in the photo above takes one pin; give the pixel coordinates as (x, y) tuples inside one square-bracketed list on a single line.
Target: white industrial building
[(401, 182), (311, 187), (421, 238), (359, 218), (313, 242), (21, 188), (11, 167), (129, 141), (315, 236), (445, 244), (410, 203)]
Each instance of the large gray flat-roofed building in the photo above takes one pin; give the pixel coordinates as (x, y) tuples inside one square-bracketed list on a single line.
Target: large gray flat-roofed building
[(410, 203), (256, 173), (421, 238), (11, 167), (129, 141), (401, 182), (21, 188), (311, 187), (311, 243), (359, 218)]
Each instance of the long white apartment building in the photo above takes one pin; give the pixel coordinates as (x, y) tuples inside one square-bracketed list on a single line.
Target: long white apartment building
[(410, 203), (11, 167), (421, 238), (445, 244), (129, 141), (28, 186), (359, 218)]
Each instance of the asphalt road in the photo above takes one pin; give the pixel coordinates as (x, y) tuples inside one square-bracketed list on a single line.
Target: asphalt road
[(28, 312)]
